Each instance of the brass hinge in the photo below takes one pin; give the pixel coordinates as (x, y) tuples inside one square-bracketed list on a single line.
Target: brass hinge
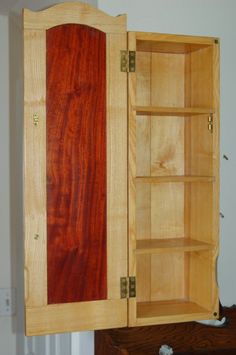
[(127, 61), (123, 287), (210, 123), (132, 286), (127, 287)]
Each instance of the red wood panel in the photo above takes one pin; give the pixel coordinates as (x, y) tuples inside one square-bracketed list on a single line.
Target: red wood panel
[(76, 164)]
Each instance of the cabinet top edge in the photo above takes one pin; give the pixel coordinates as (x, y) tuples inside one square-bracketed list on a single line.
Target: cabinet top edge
[(76, 13), (177, 38)]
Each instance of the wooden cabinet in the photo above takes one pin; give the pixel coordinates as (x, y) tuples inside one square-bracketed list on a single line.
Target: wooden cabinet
[(121, 179), (173, 178)]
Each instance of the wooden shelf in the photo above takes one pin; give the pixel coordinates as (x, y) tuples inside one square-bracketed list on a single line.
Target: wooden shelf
[(173, 310), (173, 44), (172, 111), (174, 178), (158, 246)]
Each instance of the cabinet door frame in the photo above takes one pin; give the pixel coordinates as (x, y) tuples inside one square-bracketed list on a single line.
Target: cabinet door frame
[(42, 318)]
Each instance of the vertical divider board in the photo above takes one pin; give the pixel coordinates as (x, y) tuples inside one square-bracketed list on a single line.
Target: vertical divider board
[(131, 180), (41, 317), (143, 168)]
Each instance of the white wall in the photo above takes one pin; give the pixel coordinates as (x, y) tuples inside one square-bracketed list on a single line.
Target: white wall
[(209, 18), (7, 334)]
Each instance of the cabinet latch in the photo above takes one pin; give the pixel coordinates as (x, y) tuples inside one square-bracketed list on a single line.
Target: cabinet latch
[(127, 287), (127, 61), (210, 123)]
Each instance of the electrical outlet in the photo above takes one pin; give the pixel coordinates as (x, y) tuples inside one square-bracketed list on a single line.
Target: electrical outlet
[(7, 302)]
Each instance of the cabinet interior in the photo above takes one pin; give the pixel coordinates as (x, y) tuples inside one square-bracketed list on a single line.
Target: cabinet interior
[(175, 243)]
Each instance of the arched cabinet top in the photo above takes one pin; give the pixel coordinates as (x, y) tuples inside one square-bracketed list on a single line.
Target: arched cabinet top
[(76, 13)]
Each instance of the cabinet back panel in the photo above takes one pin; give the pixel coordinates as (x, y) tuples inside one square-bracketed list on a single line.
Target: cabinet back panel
[(201, 77), (167, 79), (202, 280), (200, 147), (167, 210), (201, 212), (166, 279), (76, 164), (160, 82), (167, 146)]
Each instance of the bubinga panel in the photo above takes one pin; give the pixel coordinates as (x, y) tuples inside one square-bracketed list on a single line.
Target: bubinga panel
[(76, 163)]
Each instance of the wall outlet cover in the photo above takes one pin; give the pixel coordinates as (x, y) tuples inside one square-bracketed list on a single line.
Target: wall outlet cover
[(7, 301)]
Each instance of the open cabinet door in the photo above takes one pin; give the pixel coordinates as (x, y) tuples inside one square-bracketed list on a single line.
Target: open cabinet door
[(75, 169), (173, 178)]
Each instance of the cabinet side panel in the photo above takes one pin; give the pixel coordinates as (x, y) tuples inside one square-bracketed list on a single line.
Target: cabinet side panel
[(202, 77), (143, 191), (76, 164)]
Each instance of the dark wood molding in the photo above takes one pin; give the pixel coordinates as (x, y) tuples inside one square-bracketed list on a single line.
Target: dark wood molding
[(184, 338)]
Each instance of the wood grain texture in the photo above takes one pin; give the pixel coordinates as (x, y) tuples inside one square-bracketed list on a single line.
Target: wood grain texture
[(42, 318), (158, 246), (70, 317), (76, 164), (171, 111), (132, 168), (74, 12), (143, 191), (35, 169), (184, 338), (169, 43), (172, 161), (216, 164), (116, 166), (173, 311), (171, 178)]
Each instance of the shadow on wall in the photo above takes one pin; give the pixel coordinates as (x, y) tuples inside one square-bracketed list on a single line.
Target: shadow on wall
[(16, 167)]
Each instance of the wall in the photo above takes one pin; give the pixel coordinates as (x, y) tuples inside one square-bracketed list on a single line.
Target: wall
[(7, 336), (209, 18)]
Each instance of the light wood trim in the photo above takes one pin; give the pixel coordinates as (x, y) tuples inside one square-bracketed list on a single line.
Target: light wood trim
[(173, 44), (143, 168), (117, 263), (71, 317), (74, 12), (157, 246), (172, 311), (216, 170), (172, 111), (163, 179), (187, 166), (35, 168), (216, 141), (131, 182), (165, 37)]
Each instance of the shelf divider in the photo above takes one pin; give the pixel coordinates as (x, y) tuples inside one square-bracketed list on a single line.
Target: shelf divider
[(173, 178), (172, 111), (160, 246), (170, 312)]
